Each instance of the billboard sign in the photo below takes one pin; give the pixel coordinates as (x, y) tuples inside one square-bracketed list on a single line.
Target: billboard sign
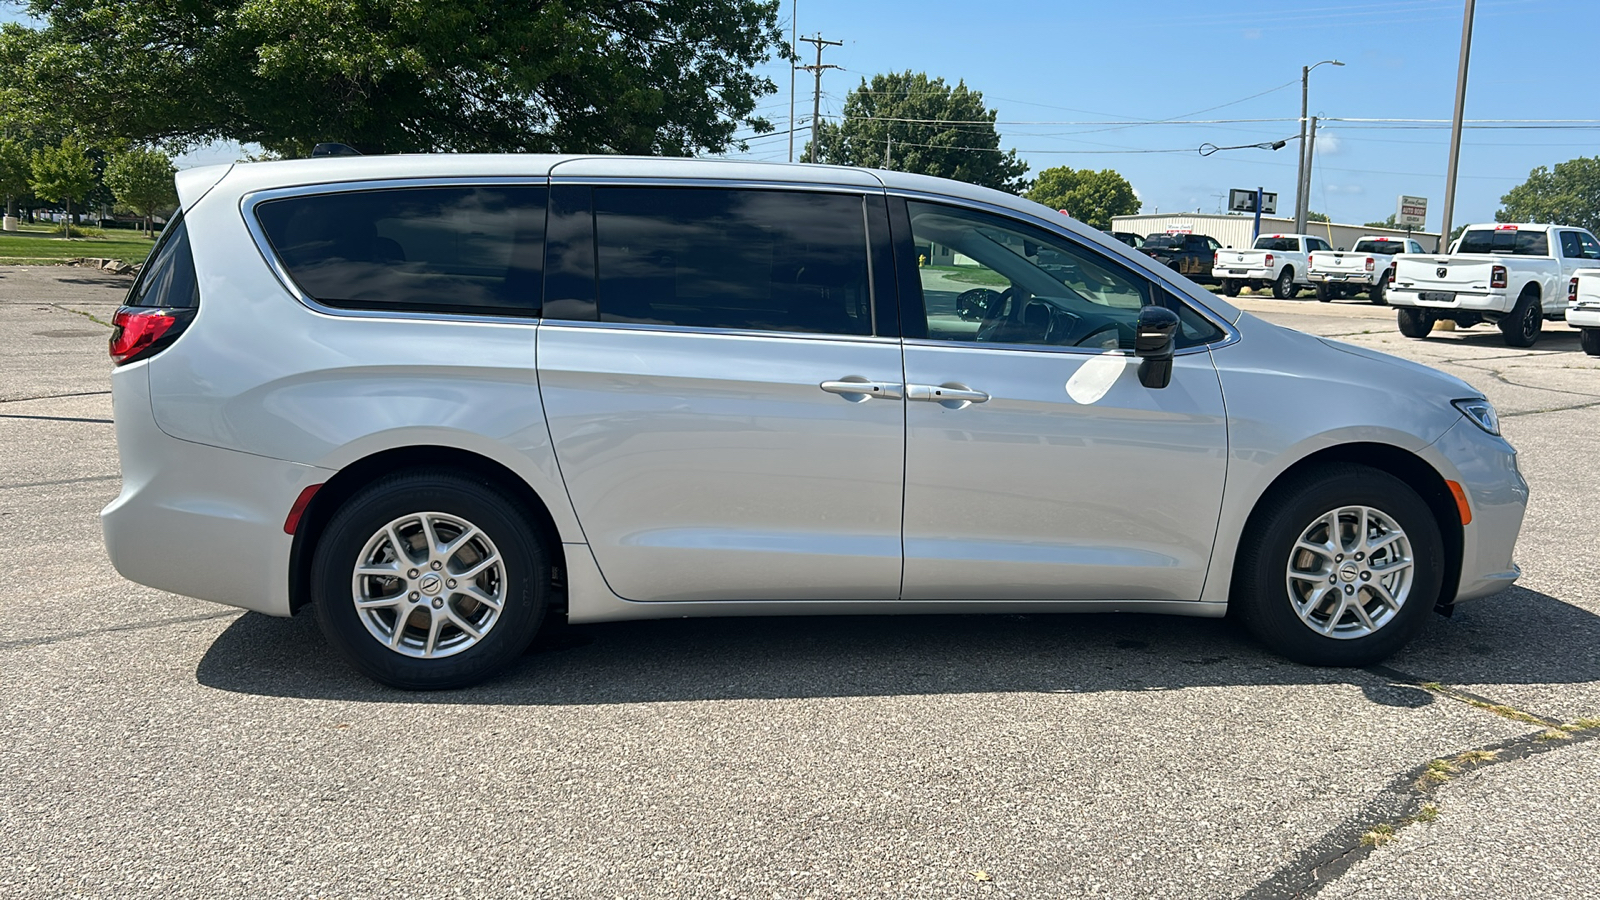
[(1243, 201), (1411, 211)]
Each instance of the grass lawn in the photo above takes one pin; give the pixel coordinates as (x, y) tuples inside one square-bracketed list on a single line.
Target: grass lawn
[(971, 275), (42, 245)]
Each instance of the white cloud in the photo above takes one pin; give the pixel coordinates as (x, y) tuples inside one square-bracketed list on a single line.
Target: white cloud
[(1327, 144), (1346, 189), (1252, 34)]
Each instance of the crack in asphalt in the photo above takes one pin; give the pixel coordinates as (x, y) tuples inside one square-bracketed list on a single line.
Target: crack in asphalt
[(1403, 801), (58, 418), (87, 315), (112, 629), (52, 396)]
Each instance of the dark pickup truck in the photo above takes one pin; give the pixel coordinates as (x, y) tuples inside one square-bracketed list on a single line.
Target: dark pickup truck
[(1190, 255)]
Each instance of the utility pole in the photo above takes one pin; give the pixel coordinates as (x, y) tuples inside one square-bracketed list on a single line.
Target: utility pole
[(1302, 201), (816, 95), (888, 147), (1304, 213), (794, 48), (1455, 130)]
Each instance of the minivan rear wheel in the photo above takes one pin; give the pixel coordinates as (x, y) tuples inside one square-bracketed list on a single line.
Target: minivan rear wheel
[(1339, 567), (429, 580)]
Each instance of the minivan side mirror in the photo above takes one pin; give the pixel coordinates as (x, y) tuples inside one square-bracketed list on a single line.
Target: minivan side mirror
[(1154, 336)]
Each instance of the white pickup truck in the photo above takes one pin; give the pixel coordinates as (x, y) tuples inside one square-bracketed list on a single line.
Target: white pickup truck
[(1514, 276), (1583, 308), (1364, 267), (1276, 259)]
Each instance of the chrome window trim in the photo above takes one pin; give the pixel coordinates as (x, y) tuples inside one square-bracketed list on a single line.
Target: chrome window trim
[(1230, 333), (832, 187), (252, 223), (721, 332), (1044, 348)]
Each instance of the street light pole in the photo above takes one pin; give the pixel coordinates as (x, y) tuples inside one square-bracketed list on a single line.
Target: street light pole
[(1455, 130), (1302, 181)]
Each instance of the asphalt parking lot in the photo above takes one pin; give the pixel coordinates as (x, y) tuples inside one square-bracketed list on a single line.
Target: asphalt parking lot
[(161, 746)]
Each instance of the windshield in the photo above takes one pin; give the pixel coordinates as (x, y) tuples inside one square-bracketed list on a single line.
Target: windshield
[(1387, 248), (1279, 244)]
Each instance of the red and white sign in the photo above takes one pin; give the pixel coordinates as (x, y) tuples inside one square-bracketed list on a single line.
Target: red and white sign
[(1181, 228), (1412, 211)]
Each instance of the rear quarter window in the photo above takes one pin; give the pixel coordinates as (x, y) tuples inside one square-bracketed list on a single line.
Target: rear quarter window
[(167, 280), (471, 250)]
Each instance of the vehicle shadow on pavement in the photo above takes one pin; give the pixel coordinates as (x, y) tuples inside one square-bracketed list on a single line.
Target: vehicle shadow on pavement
[(1519, 636)]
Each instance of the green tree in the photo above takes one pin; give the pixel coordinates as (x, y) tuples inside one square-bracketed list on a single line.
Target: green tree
[(1314, 216), (142, 181), (1088, 196), (16, 173), (911, 123), (633, 76), (63, 174), (1568, 194), (1386, 223)]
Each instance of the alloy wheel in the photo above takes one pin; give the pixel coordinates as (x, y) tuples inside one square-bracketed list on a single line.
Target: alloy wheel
[(429, 585), (1350, 572)]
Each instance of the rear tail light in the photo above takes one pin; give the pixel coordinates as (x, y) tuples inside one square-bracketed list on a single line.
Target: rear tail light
[(1370, 265), (141, 332), (1391, 275), (1311, 260), (1497, 277), (1269, 260), (1572, 291)]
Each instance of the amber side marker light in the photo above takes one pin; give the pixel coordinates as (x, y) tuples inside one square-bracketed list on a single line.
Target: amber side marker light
[(1461, 502)]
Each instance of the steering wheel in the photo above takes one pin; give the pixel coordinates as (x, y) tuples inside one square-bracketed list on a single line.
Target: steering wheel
[(978, 303), (1106, 337)]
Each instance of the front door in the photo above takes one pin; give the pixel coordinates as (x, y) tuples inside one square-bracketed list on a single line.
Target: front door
[(1037, 464), (728, 422)]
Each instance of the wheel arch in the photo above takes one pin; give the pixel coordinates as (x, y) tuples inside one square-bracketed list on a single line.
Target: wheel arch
[(351, 478), (1416, 472)]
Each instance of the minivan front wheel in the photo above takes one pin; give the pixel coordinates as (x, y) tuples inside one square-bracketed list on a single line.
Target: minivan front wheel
[(429, 580), (1340, 567)]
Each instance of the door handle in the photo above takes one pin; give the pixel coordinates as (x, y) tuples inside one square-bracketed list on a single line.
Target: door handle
[(864, 389), (945, 393)]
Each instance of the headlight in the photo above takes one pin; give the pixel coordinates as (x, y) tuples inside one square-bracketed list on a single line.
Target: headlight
[(1481, 412)]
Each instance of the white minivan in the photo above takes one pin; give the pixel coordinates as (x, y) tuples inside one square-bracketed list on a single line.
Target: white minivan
[(441, 400)]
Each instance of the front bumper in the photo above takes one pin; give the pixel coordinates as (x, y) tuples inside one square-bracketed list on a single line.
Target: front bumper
[(1486, 468), (198, 520)]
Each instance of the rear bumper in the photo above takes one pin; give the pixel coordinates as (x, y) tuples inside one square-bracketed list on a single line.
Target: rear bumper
[(1243, 274), (1584, 316), (1362, 278), (198, 520), (1480, 303)]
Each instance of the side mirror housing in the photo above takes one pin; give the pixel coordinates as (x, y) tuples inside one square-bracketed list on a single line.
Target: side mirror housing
[(1155, 335)]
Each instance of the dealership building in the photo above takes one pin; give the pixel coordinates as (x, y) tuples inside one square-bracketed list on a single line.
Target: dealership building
[(1238, 230)]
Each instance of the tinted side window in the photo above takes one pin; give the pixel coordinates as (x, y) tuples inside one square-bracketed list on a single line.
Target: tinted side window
[(446, 249), (1591, 247), (1570, 248), (167, 279), (758, 260), (1505, 241)]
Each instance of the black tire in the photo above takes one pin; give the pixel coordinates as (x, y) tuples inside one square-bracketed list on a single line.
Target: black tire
[(1230, 287), (1521, 327), (1589, 339), (506, 526), (1324, 292), (1283, 286), (1261, 597), (1415, 323), (1378, 292)]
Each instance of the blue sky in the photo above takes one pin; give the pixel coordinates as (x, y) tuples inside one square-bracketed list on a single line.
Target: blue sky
[(1078, 61), (1074, 61)]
